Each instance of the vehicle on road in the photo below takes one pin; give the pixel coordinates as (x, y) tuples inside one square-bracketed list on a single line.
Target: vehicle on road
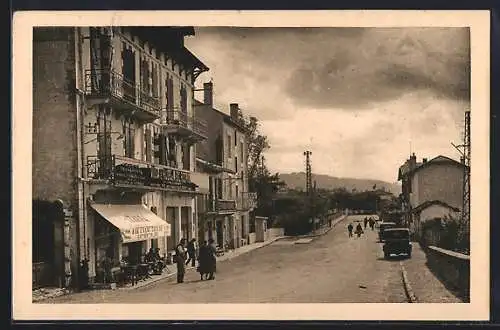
[(383, 226), (397, 241)]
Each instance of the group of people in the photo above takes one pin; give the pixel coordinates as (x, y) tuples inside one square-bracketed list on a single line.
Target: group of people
[(188, 252), (369, 221), (359, 229), (153, 256)]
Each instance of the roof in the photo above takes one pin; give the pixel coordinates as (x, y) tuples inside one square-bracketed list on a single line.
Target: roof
[(227, 118), (170, 39), (404, 170), (212, 166), (426, 204)]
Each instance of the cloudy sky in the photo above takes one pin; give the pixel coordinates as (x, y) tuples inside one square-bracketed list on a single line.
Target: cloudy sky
[(358, 98)]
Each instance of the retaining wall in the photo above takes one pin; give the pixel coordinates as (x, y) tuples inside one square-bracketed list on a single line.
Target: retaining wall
[(452, 267)]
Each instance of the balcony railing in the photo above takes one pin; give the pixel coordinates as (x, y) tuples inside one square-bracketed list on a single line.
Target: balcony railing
[(180, 122), (124, 171), (225, 205), (107, 83), (247, 201)]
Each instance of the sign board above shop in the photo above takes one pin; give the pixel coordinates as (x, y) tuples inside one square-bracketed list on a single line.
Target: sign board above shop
[(135, 222)]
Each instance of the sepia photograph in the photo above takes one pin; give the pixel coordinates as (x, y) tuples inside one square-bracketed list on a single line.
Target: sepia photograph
[(188, 163)]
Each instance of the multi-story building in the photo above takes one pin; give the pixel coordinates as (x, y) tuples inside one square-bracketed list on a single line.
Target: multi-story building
[(224, 209), (430, 189), (114, 143)]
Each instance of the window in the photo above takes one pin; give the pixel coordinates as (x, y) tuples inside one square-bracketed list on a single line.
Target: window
[(128, 141), (155, 80), (183, 94), (242, 151), (148, 144), (236, 164), (235, 138), (236, 191), (228, 146)]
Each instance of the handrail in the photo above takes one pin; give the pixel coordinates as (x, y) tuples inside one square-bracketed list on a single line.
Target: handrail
[(107, 82), (177, 117)]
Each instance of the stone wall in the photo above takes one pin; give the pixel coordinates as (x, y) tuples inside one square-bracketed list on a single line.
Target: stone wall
[(452, 267)]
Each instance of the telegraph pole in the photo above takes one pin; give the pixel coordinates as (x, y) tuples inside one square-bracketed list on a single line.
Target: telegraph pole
[(309, 188), (464, 149)]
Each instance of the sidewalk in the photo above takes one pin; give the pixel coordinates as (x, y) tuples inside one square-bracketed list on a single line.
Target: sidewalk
[(323, 230), (169, 272), (426, 287)]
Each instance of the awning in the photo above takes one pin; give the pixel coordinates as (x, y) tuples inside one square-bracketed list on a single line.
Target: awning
[(135, 222)]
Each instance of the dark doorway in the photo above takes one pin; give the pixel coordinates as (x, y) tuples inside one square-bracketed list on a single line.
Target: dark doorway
[(219, 228), (48, 245)]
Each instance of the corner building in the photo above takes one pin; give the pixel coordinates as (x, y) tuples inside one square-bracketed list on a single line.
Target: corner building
[(114, 149)]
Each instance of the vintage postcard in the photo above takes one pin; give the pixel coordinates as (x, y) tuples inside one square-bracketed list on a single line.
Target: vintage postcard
[(265, 165)]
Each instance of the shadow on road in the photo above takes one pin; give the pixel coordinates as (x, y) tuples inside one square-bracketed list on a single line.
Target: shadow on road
[(393, 258)]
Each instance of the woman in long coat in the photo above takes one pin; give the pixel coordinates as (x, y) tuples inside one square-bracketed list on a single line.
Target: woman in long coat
[(204, 261)]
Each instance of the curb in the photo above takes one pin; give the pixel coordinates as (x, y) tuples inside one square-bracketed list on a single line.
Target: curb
[(338, 220), (412, 298)]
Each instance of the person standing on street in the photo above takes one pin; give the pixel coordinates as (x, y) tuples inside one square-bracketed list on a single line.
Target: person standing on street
[(180, 258), (212, 262), (365, 221), (191, 251), (204, 261), (350, 228)]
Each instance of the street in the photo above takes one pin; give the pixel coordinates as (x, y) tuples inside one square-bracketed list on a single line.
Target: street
[(332, 268)]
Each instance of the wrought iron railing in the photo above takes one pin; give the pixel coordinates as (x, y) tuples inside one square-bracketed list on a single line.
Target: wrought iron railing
[(109, 83), (182, 119), (225, 205), (247, 201), (122, 170)]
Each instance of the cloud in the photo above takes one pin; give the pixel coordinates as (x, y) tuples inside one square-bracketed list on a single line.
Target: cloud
[(383, 64), (356, 97)]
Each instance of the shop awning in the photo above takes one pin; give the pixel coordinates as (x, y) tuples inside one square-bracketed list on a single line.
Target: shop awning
[(135, 222)]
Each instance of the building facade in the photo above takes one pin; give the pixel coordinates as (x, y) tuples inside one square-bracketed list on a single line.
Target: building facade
[(224, 211), (115, 135), (431, 188)]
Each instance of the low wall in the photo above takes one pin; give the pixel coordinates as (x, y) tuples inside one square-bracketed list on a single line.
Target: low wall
[(452, 267), (251, 238), (275, 232)]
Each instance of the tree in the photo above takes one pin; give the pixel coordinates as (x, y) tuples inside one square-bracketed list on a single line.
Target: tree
[(260, 180), (257, 145)]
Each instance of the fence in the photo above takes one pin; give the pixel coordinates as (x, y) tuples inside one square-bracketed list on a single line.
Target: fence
[(452, 267)]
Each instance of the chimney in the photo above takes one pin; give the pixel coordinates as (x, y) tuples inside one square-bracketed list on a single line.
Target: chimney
[(413, 161), (424, 160), (208, 97), (234, 111)]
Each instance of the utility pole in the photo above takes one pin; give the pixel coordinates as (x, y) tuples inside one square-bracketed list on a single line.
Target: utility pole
[(309, 188), (464, 149)]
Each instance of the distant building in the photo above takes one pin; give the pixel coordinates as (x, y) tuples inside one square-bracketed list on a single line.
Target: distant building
[(430, 189), (224, 210)]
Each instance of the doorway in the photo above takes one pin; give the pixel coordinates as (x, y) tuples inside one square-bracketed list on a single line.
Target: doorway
[(219, 229)]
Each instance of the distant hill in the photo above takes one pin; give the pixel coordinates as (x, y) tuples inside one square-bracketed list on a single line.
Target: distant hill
[(298, 180)]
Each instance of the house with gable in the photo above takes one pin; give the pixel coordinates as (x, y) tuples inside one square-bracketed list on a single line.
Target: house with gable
[(431, 189)]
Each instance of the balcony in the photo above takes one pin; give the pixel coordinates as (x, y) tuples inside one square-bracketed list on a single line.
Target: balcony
[(187, 127), (247, 201), (123, 172), (108, 86)]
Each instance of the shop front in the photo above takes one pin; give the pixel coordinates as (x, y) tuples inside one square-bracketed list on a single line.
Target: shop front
[(121, 236)]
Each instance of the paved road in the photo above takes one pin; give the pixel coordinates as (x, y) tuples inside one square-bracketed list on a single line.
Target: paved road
[(331, 269)]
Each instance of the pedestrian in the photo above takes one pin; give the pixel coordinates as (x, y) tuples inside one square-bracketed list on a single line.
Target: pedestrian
[(372, 223), (204, 261), (191, 251), (365, 221), (212, 259), (180, 259), (350, 228), (359, 230)]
